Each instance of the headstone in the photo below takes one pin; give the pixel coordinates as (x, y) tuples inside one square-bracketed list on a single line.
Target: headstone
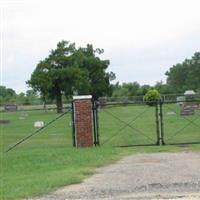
[(4, 121), (38, 124), (187, 109), (171, 113), (10, 107), (189, 106), (189, 93)]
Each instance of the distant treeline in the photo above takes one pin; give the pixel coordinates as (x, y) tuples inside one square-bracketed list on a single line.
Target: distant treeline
[(135, 89), (180, 77), (8, 95)]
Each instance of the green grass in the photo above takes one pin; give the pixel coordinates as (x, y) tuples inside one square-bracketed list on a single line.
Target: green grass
[(141, 128), (48, 161)]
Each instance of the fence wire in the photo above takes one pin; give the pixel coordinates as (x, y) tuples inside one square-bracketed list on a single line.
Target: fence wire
[(127, 115), (179, 128), (34, 132)]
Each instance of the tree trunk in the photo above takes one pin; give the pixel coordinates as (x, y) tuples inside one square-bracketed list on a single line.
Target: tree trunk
[(59, 104)]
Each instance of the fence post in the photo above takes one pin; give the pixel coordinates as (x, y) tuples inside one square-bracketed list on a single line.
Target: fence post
[(97, 123), (157, 125), (73, 126), (161, 123), (94, 122)]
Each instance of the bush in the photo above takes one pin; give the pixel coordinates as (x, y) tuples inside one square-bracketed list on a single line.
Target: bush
[(151, 97)]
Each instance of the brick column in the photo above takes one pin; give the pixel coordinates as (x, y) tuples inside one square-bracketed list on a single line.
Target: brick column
[(83, 121)]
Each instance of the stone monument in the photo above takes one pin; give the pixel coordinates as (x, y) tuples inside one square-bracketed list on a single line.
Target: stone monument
[(188, 107)]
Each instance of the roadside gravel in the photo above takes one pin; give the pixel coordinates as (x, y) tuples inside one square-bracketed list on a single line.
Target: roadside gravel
[(140, 176)]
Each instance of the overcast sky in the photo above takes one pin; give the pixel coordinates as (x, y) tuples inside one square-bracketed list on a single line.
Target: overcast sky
[(141, 38)]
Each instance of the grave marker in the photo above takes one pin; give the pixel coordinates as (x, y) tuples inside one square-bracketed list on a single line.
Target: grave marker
[(10, 107), (4, 121)]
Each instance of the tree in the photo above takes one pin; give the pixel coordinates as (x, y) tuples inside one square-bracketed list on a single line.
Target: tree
[(7, 95), (143, 90), (129, 89), (163, 88), (68, 71), (186, 75), (94, 80)]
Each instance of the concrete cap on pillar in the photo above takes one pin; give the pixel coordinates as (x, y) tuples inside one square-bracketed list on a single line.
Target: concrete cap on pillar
[(82, 97)]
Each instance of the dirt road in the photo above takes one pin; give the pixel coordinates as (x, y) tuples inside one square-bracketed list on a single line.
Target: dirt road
[(140, 176)]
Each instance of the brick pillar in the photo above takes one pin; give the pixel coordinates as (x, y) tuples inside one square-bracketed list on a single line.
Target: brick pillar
[(83, 121)]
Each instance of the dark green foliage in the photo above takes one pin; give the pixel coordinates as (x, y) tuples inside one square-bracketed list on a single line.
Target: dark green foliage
[(186, 75), (70, 71), (129, 89), (7, 95), (164, 88)]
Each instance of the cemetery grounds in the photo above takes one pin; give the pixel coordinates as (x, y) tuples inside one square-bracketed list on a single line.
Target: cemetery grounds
[(48, 161)]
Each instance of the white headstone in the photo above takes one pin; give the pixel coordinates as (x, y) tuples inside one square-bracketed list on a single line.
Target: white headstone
[(38, 124), (189, 92)]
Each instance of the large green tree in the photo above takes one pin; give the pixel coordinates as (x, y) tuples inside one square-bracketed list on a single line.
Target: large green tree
[(185, 75), (68, 71)]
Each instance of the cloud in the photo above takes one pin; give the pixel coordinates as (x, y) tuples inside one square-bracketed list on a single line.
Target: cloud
[(141, 38)]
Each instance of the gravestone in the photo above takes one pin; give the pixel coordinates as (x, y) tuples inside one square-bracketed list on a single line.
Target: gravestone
[(38, 124), (4, 121), (10, 107), (189, 106), (171, 113), (187, 109)]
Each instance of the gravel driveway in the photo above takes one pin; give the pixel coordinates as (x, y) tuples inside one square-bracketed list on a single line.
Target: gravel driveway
[(140, 176)]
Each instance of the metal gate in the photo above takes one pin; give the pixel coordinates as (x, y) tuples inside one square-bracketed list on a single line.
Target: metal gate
[(179, 126), (138, 124), (129, 124)]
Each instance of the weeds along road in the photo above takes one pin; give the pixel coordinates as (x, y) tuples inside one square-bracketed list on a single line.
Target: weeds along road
[(140, 176)]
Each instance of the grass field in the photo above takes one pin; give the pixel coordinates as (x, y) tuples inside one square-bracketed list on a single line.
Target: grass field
[(48, 160)]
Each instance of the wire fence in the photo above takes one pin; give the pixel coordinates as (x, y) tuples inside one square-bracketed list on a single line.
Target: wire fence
[(35, 129), (124, 125), (180, 127), (135, 123), (119, 124)]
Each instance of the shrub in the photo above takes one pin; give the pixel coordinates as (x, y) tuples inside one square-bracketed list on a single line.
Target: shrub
[(151, 97)]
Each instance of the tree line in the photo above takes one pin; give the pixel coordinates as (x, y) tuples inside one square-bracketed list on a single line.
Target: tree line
[(31, 97), (186, 75), (69, 71), (8, 95)]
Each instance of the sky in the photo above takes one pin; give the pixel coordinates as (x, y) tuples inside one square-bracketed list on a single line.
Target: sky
[(141, 38)]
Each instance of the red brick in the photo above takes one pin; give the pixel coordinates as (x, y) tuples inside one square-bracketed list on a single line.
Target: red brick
[(83, 122)]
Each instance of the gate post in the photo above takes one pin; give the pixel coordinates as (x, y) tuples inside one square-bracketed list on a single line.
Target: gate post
[(83, 121), (157, 125), (161, 123), (73, 126), (96, 123)]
